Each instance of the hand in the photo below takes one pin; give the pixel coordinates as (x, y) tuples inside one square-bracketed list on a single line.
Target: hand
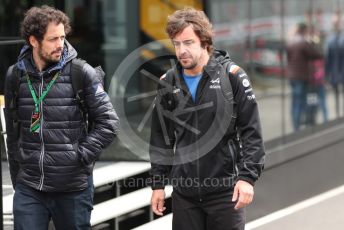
[(158, 201), (244, 191)]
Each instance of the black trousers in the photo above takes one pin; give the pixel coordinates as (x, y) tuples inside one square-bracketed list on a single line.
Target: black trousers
[(217, 213)]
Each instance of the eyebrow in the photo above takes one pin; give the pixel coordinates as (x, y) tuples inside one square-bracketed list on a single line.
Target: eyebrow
[(52, 37), (187, 40)]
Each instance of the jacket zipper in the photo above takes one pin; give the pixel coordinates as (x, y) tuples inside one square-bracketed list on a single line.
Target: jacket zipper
[(199, 93), (41, 157), (198, 162), (231, 150)]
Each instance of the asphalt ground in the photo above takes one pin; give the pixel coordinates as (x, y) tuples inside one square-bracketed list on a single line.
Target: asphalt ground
[(324, 211)]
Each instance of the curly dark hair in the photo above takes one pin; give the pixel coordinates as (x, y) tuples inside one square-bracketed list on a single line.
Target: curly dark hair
[(37, 19), (183, 18)]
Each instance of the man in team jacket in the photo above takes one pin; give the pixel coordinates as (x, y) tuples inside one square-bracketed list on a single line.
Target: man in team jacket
[(205, 135)]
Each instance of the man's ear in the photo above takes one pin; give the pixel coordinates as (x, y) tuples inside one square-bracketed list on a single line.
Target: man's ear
[(205, 46), (33, 41)]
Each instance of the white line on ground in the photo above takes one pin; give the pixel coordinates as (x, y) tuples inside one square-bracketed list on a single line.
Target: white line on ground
[(294, 208)]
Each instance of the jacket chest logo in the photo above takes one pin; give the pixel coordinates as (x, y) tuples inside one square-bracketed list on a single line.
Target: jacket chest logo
[(215, 84), (176, 90)]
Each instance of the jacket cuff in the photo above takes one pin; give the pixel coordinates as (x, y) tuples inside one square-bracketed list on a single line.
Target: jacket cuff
[(157, 186), (157, 182), (247, 179)]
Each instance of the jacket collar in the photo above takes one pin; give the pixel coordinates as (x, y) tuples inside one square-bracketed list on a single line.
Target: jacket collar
[(218, 57), (26, 63)]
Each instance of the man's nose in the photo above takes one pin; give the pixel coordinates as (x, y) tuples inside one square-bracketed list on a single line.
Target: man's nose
[(60, 42), (182, 48)]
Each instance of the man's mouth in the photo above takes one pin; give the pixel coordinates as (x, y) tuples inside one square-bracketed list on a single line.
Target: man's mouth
[(58, 52)]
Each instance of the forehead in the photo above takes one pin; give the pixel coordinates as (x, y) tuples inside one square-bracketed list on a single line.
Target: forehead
[(54, 30), (187, 34)]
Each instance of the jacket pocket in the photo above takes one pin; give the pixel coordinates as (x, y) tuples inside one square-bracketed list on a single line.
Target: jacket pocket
[(87, 168)]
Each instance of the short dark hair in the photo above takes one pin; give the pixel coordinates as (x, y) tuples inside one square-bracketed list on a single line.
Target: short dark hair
[(37, 19), (201, 25), (302, 28)]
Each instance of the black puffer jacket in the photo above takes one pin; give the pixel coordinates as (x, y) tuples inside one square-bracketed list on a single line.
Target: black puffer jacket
[(208, 157), (61, 155)]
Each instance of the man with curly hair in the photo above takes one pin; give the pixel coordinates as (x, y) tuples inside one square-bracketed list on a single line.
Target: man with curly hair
[(51, 152)]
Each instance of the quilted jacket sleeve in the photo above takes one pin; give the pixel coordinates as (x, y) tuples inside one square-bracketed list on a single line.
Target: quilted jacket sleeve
[(11, 130), (100, 109)]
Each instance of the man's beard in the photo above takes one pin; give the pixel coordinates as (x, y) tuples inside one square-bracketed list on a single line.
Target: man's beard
[(47, 58), (191, 65)]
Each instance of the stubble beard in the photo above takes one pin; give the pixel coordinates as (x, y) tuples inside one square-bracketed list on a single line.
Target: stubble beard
[(189, 66), (48, 58)]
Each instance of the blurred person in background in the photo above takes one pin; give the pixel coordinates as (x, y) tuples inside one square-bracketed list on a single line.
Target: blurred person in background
[(316, 96), (300, 55), (334, 59)]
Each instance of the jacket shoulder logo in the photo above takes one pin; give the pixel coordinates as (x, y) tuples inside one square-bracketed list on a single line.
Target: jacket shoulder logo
[(234, 69), (246, 83)]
